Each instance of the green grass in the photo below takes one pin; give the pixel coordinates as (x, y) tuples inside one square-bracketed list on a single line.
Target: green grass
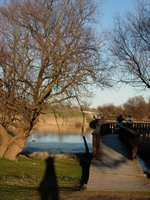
[(71, 114), (67, 113), (29, 178), (36, 179), (148, 177)]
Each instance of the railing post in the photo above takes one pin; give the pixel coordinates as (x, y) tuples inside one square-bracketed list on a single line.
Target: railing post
[(129, 138), (96, 141), (100, 130), (134, 145)]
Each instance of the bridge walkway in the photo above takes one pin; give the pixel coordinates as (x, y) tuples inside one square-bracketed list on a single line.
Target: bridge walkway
[(114, 170)]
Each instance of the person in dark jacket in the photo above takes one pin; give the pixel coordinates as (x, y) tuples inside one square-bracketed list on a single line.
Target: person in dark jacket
[(120, 119)]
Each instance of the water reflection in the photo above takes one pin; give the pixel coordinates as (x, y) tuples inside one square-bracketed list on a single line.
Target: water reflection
[(70, 140)]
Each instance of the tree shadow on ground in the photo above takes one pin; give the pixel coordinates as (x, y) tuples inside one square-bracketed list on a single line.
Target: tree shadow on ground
[(49, 187), (85, 162)]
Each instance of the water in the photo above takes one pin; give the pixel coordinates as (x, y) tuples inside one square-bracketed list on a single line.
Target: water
[(67, 142), (57, 143)]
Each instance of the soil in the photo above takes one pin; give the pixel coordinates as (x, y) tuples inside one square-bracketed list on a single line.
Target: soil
[(86, 195)]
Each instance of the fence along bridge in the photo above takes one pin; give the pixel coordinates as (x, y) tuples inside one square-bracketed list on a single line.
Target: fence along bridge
[(114, 166)]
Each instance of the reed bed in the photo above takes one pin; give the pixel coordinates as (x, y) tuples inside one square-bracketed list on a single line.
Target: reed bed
[(49, 123)]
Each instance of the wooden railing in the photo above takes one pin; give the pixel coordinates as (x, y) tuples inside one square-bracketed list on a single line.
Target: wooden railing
[(100, 130), (128, 136), (96, 141), (142, 128)]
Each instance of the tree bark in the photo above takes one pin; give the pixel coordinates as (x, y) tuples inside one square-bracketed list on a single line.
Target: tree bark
[(4, 140), (14, 148), (11, 146)]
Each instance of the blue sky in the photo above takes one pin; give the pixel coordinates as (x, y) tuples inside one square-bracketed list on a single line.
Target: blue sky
[(109, 8)]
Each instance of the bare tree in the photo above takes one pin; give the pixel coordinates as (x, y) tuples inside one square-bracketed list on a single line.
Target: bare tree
[(148, 108), (136, 107), (130, 46), (49, 53), (110, 110)]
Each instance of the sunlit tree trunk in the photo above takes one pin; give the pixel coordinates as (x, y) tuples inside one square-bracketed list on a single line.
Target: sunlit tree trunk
[(11, 146), (14, 148), (4, 140)]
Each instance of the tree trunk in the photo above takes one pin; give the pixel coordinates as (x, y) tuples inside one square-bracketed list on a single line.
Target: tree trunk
[(10, 146), (14, 148), (4, 140)]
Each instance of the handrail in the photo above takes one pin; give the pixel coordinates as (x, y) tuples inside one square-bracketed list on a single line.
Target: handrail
[(100, 130), (129, 137)]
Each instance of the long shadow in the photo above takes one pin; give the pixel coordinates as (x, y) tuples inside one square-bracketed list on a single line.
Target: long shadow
[(48, 187), (112, 153), (85, 162), (113, 142)]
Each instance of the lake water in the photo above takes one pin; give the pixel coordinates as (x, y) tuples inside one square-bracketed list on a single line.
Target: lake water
[(70, 140), (55, 142)]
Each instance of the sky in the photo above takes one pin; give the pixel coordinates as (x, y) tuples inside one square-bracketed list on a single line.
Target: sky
[(109, 8)]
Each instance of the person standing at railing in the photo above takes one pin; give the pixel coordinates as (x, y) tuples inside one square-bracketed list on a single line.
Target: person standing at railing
[(119, 120), (129, 121)]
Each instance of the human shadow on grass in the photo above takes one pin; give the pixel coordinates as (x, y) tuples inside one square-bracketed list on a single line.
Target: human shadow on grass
[(49, 187)]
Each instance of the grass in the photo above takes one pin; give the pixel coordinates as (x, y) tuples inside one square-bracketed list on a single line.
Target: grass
[(38, 179), (148, 177), (66, 113), (29, 178)]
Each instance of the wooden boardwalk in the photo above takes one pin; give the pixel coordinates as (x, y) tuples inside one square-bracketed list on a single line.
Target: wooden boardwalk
[(114, 171)]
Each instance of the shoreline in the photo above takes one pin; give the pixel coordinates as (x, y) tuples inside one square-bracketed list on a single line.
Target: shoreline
[(48, 123)]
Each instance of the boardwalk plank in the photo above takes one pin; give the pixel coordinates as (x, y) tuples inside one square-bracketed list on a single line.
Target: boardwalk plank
[(114, 171)]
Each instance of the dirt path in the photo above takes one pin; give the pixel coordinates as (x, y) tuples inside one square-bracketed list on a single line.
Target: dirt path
[(85, 195)]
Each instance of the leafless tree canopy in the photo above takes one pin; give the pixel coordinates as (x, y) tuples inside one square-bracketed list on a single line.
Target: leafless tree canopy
[(130, 45), (110, 111), (49, 52), (137, 108)]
